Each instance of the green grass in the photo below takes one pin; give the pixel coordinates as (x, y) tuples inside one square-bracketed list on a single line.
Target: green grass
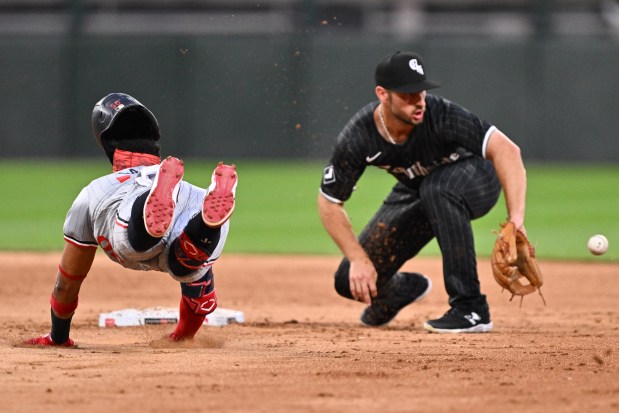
[(276, 206)]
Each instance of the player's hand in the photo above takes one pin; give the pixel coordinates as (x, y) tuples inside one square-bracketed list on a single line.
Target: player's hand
[(362, 277), (518, 221)]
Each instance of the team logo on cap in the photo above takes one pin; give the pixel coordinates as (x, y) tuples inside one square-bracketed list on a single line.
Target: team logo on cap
[(117, 105), (416, 66)]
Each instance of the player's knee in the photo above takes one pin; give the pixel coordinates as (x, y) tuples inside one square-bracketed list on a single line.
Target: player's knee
[(199, 296), (139, 239), (186, 256), (342, 280)]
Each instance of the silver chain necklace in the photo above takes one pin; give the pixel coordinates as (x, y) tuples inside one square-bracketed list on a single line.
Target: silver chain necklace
[(382, 121)]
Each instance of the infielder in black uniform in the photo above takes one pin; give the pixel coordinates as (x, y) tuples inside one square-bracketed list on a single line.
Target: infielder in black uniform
[(449, 165)]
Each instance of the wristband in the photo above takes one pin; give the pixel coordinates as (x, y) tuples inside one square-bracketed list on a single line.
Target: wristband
[(62, 309)]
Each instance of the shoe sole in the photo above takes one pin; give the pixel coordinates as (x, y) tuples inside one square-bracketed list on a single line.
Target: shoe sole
[(479, 328), (422, 295), (219, 203), (161, 202)]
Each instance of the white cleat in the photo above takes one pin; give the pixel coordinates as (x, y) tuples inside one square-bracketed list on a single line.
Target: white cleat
[(160, 204), (219, 201)]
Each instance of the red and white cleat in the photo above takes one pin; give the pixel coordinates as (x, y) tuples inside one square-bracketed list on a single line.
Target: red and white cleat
[(46, 340), (160, 204), (219, 200)]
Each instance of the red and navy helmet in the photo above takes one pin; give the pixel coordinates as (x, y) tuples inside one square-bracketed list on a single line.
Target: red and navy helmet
[(118, 119)]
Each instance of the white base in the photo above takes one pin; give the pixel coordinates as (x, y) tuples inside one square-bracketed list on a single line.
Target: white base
[(129, 317)]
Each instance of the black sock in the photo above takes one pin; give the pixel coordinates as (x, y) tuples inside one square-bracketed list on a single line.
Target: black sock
[(60, 328), (139, 239), (206, 238)]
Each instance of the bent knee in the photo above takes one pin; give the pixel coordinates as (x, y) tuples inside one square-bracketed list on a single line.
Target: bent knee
[(342, 280)]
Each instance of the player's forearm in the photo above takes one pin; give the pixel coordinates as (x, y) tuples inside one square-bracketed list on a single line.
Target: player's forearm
[(63, 303), (66, 291), (511, 172), (74, 265), (336, 222), (516, 197), (512, 176)]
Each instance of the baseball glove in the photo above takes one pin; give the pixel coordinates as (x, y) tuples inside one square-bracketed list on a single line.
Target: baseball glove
[(513, 261)]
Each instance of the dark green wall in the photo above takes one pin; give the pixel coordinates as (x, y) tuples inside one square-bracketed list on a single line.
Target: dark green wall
[(288, 96)]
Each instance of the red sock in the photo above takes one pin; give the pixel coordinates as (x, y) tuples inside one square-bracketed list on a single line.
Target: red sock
[(188, 323)]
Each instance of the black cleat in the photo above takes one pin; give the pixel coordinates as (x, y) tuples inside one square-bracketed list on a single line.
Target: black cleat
[(460, 321), (401, 290)]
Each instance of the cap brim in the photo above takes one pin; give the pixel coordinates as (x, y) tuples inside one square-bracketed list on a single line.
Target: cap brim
[(417, 87)]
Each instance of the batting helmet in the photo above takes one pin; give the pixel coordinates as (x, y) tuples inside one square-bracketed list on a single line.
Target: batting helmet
[(121, 120)]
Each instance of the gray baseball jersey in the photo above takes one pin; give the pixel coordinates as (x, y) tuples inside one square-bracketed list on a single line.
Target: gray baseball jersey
[(100, 215)]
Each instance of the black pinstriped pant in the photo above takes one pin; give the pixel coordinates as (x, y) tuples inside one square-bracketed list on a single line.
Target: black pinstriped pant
[(447, 200)]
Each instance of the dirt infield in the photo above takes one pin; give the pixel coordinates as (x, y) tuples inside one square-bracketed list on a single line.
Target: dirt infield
[(302, 348)]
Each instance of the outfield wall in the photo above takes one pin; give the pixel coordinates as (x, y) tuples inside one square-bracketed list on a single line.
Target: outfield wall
[(288, 96)]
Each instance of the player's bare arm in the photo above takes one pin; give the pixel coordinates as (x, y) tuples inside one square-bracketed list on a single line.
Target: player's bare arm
[(75, 264), (507, 160), (362, 272)]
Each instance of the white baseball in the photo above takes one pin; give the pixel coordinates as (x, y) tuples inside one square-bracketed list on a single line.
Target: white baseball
[(598, 244)]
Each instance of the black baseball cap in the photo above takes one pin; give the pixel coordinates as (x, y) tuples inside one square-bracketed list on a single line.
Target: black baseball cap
[(403, 72)]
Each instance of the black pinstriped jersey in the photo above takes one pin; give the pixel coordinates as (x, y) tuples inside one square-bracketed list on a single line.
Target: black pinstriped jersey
[(448, 133)]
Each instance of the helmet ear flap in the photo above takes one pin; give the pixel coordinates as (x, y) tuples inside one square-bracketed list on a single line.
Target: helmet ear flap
[(118, 118), (101, 119)]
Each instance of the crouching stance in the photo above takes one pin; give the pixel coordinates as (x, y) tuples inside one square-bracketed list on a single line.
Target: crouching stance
[(144, 217)]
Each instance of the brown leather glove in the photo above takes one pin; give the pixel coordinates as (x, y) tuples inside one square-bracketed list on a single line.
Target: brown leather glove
[(513, 261)]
